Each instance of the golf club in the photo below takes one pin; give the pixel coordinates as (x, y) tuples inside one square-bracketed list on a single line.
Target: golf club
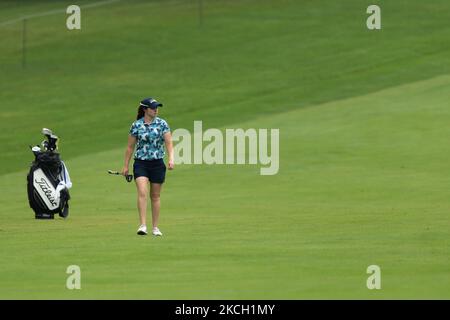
[(128, 177)]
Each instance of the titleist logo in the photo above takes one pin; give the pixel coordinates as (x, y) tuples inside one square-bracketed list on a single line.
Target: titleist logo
[(47, 190)]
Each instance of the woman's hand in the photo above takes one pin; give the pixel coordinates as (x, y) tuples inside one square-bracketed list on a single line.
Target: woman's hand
[(171, 164), (125, 171)]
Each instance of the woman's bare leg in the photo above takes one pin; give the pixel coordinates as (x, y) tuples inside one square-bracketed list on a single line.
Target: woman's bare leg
[(155, 191), (142, 189)]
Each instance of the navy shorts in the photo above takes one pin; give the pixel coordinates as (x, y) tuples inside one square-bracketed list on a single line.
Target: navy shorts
[(154, 170)]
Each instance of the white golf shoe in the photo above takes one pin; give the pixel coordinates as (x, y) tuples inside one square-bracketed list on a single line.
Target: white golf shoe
[(142, 231), (156, 232)]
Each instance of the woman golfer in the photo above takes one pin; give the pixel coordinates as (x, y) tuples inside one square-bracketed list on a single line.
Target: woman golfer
[(149, 133)]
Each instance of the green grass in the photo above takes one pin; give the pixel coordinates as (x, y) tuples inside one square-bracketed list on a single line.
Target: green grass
[(363, 119)]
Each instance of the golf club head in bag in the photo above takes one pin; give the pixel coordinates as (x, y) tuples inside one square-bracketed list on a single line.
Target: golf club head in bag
[(51, 143), (48, 180)]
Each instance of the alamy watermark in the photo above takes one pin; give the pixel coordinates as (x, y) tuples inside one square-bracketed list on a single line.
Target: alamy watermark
[(74, 20), (374, 20), (235, 146), (74, 280), (374, 280)]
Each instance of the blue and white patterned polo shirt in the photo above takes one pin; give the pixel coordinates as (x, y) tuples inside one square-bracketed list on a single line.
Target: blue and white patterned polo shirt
[(150, 138)]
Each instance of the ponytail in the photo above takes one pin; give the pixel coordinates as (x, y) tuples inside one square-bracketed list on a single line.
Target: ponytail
[(140, 113)]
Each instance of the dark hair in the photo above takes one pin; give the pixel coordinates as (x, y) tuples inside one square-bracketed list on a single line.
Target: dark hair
[(141, 112)]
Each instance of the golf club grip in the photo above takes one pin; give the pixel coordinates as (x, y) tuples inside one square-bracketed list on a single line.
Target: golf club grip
[(128, 177)]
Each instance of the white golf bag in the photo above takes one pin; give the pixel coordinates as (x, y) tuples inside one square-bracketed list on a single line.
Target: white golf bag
[(48, 181)]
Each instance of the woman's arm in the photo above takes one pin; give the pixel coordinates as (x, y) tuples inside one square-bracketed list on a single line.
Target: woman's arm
[(128, 153), (169, 148)]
